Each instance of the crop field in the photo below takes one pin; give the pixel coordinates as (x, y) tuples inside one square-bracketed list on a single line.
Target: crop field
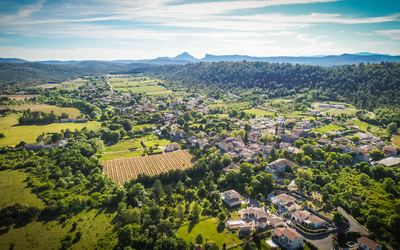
[(136, 84), (73, 112), (15, 133), (336, 112), (121, 170), (20, 97)]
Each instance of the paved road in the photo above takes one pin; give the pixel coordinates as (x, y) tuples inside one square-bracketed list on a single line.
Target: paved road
[(322, 242), (354, 225)]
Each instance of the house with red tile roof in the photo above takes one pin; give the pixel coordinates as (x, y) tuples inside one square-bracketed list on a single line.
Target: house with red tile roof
[(368, 244), (288, 237)]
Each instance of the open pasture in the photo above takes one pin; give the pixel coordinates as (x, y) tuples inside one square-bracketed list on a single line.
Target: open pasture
[(121, 170), (15, 133), (72, 112), (19, 97), (136, 84)]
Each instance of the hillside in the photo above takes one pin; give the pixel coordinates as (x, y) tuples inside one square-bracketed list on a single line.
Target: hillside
[(366, 86)]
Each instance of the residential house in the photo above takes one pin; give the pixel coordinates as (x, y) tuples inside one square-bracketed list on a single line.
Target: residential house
[(84, 120), (34, 146), (363, 155), (365, 136), (231, 197), (279, 165), (300, 216), (314, 222), (171, 147), (288, 237), (282, 200), (368, 244), (230, 167), (389, 150), (275, 221), (177, 135), (257, 215), (324, 141)]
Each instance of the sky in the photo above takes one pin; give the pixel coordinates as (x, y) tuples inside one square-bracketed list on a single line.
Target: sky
[(146, 29)]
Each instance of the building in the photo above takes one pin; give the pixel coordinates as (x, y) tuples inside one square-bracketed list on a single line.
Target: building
[(171, 147), (230, 167), (84, 120), (275, 221), (368, 244), (257, 216), (288, 237), (279, 166), (314, 222), (231, 197), (283, 200), (389, 150), (300, 216)]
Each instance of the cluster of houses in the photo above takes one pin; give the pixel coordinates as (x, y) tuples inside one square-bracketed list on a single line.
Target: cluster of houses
[(79, 120), (38, 146)]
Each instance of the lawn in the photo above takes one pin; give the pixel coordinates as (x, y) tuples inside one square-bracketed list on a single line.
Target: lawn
[(396, 141), (72, 112), (362, 125), (208, 227), (119, 150), (93, 225), (15, 133), (342, 111), (137, 85), (19, 97), (326, 128), (14, 189)]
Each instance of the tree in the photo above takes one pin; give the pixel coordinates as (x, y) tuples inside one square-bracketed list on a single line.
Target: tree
[(376, 154), (389, 185), (199, 238), (298, 143), (355, 139), (364, 179), (286, 182), (226, 160), (337, 218), (211, 245), (392, 127), (195, 213)]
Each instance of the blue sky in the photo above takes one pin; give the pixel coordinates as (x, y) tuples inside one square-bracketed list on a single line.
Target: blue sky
[(141, 29)]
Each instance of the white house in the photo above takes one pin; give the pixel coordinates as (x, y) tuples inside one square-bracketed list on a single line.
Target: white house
[(368, 244), (275, 221), (288, 237), (257, 215), (231, 197), (282, 200), (300, 216), (314, 222)]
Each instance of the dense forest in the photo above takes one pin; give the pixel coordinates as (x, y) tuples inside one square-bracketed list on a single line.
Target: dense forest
[(20, 76), (367, 86)]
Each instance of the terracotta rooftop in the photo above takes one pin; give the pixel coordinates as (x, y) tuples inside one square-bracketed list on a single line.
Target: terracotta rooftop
[(368, 242)]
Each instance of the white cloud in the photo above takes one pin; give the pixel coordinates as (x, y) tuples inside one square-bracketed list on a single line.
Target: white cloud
[(394, 34)]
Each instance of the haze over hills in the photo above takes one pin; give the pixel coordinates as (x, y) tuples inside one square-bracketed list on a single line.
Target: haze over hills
[(328, 60)]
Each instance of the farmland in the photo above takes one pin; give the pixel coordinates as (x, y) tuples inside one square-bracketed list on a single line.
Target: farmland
[(72, 112), (121, 170), (15, 133), (134, 84), (19, 97)]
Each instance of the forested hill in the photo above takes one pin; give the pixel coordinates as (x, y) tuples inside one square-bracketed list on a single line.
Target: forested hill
[(366, 86), (19, 76)]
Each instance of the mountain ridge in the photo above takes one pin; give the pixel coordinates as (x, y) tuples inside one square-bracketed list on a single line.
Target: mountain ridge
[(184, 58)]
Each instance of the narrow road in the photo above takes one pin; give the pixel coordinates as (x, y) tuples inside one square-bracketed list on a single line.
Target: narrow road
[(108, 75), (354, 225)]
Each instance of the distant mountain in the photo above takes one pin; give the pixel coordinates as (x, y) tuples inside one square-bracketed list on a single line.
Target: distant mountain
[(13, 60), (184, 58)]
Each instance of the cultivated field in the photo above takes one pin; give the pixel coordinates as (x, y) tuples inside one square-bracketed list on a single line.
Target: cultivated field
[(20, 97), (135, 84), (73, 112), (121, 170)]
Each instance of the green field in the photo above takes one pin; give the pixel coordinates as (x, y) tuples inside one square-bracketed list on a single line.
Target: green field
[(208, 227), (259, 112), (14, 189), (28, 133), (72, 112), (120, 149), (92, 224), (362, 125), (396, 141), (326, 128), (137, 85), (342, 111)]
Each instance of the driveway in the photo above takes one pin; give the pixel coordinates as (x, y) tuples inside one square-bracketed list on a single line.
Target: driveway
[(251, 201), (322, 242)]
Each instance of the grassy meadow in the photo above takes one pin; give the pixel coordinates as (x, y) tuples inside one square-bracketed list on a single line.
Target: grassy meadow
[(121, 149), (337, 112), (135, 84), (15, 133), (326, 128), (208, 227), (72, 112), (19, 97), (14, 189)]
